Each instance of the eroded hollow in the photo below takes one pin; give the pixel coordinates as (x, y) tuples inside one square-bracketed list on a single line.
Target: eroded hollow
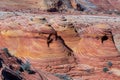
[(52, 10), (104, 38)]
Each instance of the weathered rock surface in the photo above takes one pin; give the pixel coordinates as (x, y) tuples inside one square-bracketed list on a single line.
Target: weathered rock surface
[(84, 47), (12, 67), (107, 4), (78, 45), (60, 5)]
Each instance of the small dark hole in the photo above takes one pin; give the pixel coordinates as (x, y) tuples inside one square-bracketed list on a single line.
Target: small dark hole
[(104, 38)]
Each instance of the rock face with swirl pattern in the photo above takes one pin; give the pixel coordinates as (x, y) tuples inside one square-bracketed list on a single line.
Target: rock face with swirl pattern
[(59, 40)]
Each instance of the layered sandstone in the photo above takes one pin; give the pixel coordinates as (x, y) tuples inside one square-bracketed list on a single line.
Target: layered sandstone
[(59, 5), (12, 67), (78, 45), (55, 44)]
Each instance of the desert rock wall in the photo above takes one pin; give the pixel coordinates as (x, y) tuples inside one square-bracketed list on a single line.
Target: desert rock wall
[(45, 38), (60, 5)]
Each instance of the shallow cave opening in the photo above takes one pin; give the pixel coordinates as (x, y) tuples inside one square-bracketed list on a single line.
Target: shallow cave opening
[(52, 10), (104, 38)]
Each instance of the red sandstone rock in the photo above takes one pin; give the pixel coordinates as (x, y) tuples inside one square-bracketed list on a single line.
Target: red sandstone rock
[(77, 45), (60, 5), (58, 45)]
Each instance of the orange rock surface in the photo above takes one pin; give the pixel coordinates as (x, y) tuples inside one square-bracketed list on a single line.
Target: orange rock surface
[(60, 45), (59, 5), (64, 42)]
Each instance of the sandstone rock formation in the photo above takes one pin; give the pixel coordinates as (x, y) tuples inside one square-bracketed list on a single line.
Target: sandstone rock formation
[(63, 44), (60, 5), (14, 68), (68, 46)]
